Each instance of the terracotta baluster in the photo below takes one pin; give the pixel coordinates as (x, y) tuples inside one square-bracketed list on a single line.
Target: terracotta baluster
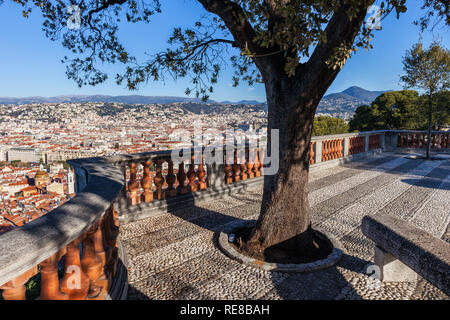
[(324, 150), (133, 185), (191, 175), (339, 144), (158, 180), (99, 248), (250, 165), (236, 168), (330, 150), (257, 164), (91, 264), (339, 148), (171, 178), (75, 282), (333, 149), (331, 155), (201, 173), (181, 176), (97, 238), (445, 140), (243, 167), (228, 169), (50, 285), (111, 232), (311, 153), (261, 162), (147, 182), (15, 289)]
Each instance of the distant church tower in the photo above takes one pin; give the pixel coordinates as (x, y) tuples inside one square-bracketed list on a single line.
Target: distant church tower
[(70, 182)]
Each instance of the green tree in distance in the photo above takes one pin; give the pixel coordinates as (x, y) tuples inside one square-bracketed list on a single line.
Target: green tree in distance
[(296, 48), (391, 110), (401, 110), (326, 125), (428, 70), (441, 110)]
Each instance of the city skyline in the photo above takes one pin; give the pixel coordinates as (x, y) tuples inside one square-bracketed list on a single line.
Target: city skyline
[(34, 67)]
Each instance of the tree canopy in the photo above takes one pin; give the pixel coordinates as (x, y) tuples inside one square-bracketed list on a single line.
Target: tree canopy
[(427, 69), (325, 125), (401, 110)]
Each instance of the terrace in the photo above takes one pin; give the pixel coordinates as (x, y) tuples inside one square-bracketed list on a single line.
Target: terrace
[(148, 227)]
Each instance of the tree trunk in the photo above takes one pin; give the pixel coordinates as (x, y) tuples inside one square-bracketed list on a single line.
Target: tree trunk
[(429, 126), (284, 224)]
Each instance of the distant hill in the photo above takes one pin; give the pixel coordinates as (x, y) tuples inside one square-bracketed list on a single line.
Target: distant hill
[(131, 99), (362, 94), (343, 104)]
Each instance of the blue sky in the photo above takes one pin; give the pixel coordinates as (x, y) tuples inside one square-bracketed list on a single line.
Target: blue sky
[(30, 64)]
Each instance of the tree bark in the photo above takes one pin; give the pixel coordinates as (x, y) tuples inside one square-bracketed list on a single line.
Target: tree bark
[(429, 126), (284, 223)]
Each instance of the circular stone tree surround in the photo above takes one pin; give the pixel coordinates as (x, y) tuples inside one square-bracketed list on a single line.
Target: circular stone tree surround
[(231, 252)]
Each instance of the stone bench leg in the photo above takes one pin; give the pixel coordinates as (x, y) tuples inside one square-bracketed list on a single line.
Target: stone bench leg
[(392, 269)]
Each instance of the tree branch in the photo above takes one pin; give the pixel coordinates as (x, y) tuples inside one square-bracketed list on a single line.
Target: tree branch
[(243, 33), (340, 30)]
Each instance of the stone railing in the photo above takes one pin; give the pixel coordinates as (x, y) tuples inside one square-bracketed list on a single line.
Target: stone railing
[(82, 234), (72, 252), (440, 140), (154, 182), (334, 149)]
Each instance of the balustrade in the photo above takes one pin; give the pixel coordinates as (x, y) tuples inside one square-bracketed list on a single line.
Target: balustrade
[(374, 142), (356, 145), (87, 264), (243, 164), (332, 149), (311, 152), (419, 140)]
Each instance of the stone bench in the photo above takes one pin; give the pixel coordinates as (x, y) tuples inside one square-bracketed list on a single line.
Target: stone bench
[(402, 251)]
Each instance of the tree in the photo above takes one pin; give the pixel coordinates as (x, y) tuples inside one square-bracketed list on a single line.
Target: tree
[(429, 70), (441, 111), (326, 125), (296, 48), (391, 110)]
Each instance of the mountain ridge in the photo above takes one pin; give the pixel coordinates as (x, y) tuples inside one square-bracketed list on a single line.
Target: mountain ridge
[(351, 93)]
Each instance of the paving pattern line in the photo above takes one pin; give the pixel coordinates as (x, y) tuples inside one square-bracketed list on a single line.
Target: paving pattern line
[(434, 214), (339, 187), (326, 208), (344, 221)]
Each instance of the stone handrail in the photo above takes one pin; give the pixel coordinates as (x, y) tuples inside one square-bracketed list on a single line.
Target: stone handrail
[(153, 181), (87, 219), (428, 256)]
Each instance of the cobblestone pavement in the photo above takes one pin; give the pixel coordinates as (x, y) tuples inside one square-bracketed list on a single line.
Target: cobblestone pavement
[(174, 255)]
